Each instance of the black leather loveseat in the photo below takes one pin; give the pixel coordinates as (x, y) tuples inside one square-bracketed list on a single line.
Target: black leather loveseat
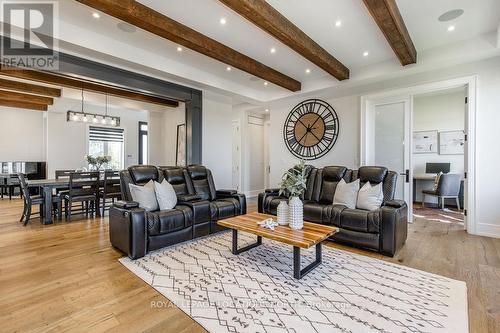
[(382, 230), (199, 206)]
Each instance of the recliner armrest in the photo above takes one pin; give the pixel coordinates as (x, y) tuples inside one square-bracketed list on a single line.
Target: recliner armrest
[(272, 190), (395, 203), (225, 192), (187, 197), (126, 204), (128, 229)]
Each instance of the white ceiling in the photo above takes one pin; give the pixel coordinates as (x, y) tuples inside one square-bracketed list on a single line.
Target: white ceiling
[(100, 39)]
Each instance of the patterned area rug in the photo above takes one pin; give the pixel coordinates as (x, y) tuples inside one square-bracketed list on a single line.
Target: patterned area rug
[(255, 291)]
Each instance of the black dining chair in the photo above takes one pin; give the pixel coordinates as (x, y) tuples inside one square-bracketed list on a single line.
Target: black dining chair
[(448, 188), (10, 184), (83, 188), (111, 189), (31, 200)]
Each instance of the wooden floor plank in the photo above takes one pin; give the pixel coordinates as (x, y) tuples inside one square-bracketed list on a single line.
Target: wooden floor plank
[(66, 276)]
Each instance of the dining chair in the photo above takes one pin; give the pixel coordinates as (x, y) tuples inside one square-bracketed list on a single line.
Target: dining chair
[(31, 200), (11, 183), (111, 189), (83, 188), (448, 188)]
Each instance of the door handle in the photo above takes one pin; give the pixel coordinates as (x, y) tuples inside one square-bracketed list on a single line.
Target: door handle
[(407, 175)]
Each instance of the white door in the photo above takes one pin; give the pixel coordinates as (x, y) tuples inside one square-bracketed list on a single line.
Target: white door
[(387, 142), (236, 155)]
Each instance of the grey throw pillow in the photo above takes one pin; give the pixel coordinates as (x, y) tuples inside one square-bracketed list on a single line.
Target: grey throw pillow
[(346, 194), (165, 195), (370, 197), (144, 195)]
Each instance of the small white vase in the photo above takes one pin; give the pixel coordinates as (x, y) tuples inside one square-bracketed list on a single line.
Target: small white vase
[(282, 213), (295, 213)]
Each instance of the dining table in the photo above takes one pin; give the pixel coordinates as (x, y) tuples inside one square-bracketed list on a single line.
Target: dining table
[(48, 186)]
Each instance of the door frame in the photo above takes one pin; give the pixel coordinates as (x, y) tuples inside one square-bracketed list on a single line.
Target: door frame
[(370, 104), (237, 122), (470, 82)]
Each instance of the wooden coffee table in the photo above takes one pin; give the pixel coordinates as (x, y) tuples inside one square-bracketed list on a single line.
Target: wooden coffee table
[(312, 234)]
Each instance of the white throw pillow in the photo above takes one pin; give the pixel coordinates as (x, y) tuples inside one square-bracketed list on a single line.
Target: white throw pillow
[(370, 197), (346, 194), (144, 195), (165, 195)]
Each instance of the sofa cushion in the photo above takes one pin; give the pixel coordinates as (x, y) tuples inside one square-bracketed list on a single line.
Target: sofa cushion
[(141, 174), (224, 208), (372, 174), (313, 211), (271, 203), (360, 220), (332, 213), (331, 176), (167, 221)]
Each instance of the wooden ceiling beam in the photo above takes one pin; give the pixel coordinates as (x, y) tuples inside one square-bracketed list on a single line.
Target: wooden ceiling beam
[(34, 99), (387, 16), (23, 105), (87, 85), (137, 14), (263, 15), (29, 88)]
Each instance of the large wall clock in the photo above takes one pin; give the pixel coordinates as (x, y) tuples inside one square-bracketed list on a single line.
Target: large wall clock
[(311, 129)]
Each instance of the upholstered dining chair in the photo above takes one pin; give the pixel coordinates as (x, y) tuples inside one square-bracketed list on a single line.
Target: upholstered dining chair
[(111, 189), (83, 188), (31, 200), (448, 188)]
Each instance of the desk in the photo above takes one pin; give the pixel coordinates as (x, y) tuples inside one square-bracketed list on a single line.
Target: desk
[(48, 185), (430, 179)]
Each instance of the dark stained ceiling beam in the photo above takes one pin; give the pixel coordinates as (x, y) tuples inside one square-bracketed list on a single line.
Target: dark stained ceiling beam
[(87, 85), (263, 15), (135, 13), (387, 16), (23, 105), (29, 88), (34, 99)]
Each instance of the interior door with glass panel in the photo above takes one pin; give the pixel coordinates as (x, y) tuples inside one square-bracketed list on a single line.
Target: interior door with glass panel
[(387, 143)]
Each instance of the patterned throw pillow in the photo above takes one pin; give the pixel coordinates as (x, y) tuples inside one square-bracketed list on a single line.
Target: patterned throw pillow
[(436, 182)]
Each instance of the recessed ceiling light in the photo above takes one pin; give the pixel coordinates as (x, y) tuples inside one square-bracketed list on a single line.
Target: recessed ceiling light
[(308, 71), (179, 49), (450, 15), (267, 110), (228, 68), (366, 53), (96, 15), (266, 83), (273, 50), (451, 28), (338, 23), (222, 21)]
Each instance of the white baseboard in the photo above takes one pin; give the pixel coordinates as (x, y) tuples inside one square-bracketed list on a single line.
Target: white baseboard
[(252, 194), (488, 230)]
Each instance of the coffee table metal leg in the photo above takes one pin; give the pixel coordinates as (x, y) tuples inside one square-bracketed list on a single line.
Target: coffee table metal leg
[(297, 272), (237, 251)]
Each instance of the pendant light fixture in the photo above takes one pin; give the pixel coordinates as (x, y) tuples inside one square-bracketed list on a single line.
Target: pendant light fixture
[(82, 116)]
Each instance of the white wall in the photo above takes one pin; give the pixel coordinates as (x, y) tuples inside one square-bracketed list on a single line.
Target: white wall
[(22, 135), (162, 134), (217, 140), (345, 151), (443, 112), (67, 141)]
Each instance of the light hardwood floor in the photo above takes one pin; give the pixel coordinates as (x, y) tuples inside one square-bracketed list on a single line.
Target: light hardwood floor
[(66, 276)]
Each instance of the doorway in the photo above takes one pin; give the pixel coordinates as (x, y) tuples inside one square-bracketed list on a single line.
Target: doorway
[(388, 117)]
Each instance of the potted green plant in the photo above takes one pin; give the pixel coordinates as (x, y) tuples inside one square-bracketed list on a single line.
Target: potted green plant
[(96, 163), (293, 185)]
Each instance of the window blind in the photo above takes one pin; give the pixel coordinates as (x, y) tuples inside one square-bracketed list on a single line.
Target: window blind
[(105, 134)]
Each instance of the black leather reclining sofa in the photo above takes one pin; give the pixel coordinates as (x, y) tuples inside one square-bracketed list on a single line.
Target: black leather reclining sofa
[(383, 230), (135, 231)]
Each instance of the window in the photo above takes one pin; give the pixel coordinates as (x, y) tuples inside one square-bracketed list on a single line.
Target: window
[(143, 142), (105, 141)]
